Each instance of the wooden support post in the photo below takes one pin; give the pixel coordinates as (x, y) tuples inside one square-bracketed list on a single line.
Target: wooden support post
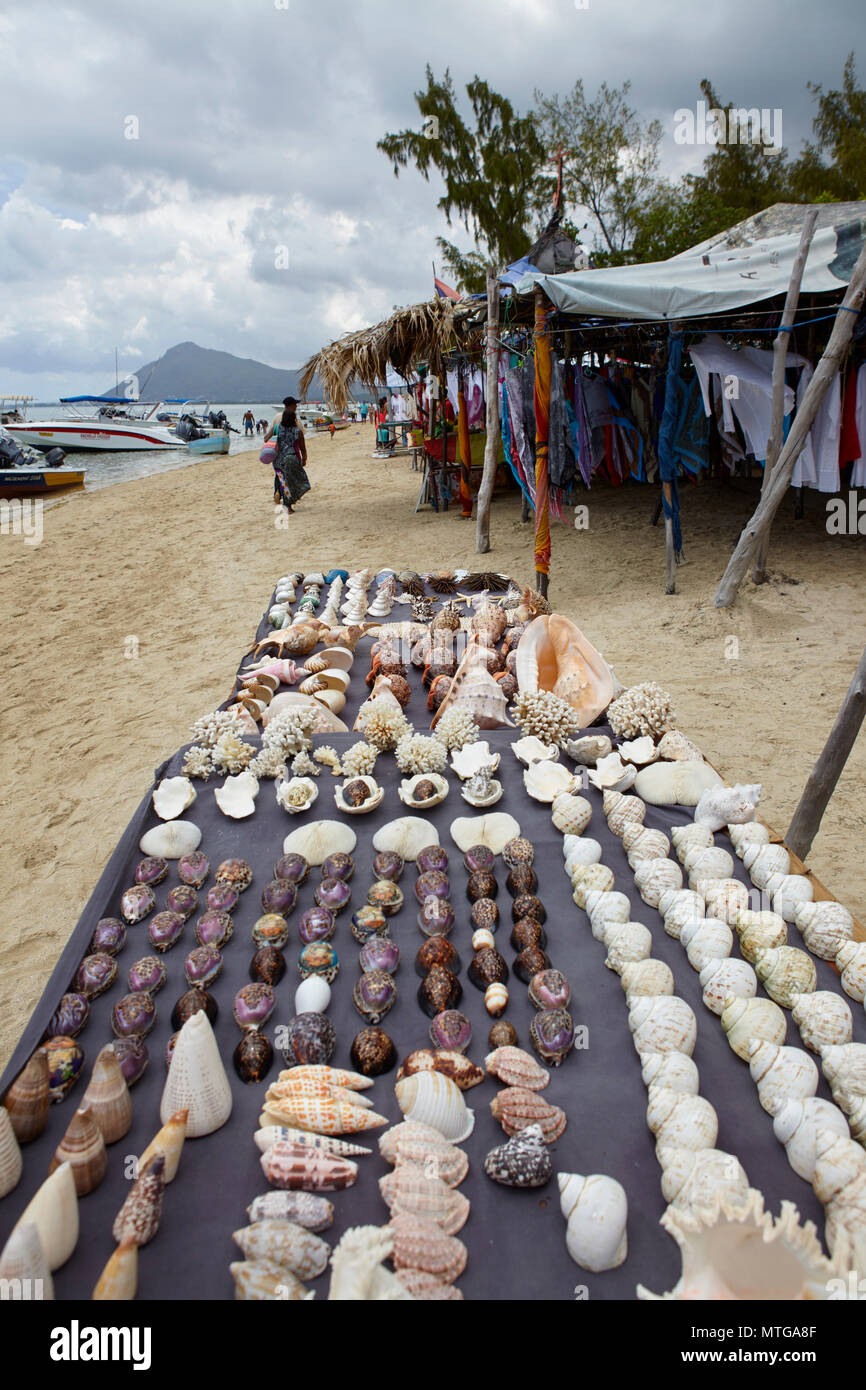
[(827, 770), (670, 551), (542, 435), (780, 357), (491, 445), (777, 486)]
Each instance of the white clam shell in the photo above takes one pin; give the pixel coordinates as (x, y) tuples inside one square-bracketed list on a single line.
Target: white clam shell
[(662, 1023), (545, 780), (596, 1212), (319, 838), (433, 1099), (679, 1120), (625, 942), (639, 750), (720, 978), (823, 1018), (532, 750), (586, 751), (612, 774), (673, 1070), (172, 797), (796, 1125), (583, 851), (312, 996), (472, 758), (706, 939), (236, 797), (197, 1080), (781, 1073), (172, 840)]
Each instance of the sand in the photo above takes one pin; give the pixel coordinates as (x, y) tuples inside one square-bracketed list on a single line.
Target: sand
[(178, 567)]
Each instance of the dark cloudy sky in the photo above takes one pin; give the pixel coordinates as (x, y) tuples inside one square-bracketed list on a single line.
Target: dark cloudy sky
[(257, 124)]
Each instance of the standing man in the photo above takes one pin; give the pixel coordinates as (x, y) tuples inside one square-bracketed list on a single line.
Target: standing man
[(249, 424)]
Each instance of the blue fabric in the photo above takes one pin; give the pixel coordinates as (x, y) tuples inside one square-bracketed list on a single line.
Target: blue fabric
[(667, 436)]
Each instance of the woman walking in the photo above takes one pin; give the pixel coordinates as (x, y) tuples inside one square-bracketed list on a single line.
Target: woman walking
[(290, 477)]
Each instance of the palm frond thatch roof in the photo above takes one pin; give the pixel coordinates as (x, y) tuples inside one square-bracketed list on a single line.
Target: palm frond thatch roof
[(419, 333)]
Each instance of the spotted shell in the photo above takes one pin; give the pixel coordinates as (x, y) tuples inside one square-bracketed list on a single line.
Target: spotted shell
[(454, 1065), (523, 1161), (287, 1244)]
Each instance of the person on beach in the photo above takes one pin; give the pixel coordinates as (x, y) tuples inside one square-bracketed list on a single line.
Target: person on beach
[(290, 475), (249, 423)]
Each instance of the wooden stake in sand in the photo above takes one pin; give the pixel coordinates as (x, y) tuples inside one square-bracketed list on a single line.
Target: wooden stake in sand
[(542, 435), (771, 500), (827, 770), (780, 357), (491, 444)]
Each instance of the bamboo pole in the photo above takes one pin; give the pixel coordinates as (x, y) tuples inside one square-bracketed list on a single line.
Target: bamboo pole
[(780, 357), (827, 770), (491, 444), (771, 500), (542, 436)]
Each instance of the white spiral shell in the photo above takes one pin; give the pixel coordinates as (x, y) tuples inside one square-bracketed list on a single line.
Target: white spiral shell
[(725, 898), (662, 1023), (588, 878), (646, 977), (681, 1121), (796, 1125), (785, 972), (674, 1070), (700, 862), (686, 836), (751, 833), (788, 891), (603, 908), (596, 1210), (706, 939), (762, 861), (844, 1066), (625, 942), (694, 1179), (825, 926), (744, 1019), (653, 875), (680, 906), (781, 1073), (823, 1018), (721, 977)]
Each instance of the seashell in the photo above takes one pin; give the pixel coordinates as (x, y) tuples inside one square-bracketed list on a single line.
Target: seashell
[(437, 950), (412, 1190), (303, 1208), (483, 936), (23, 1268), (313, 995), (604, 908), (451, 1031), (839, 1163), (640, 843), (107, 1097), (320, 1114), (785, 972), (639, 751), (496, 999), (388, 865), (315, 841), (678, 784), (287, 1244), (410, 1131), (523, 1161), (374, 994), (677, 748), (582, 851), (706, 939), (136, 903), (70, 1016), (109, 936), (197, 1081), (357, 1272), (493, 830), (293, 867), (139, 1217), (264, 1281), (193, 869), (420, 1244), (132, 1055), (253, 1057), (530, 961), (646, 977), (745, 1019), (781, 1074), (672, 1070), (589, 878), (653, 875), (433, 1099), (700, 862), (552, 1034), (825, 927), (172, 840), (473, 689), (473, 758), (586, 751), (359, 795), (319, 958), (167, 1144), (612, 774), (191, 1003), (662, 1023), (748, 833), (679, 1120), (626, 942), (172, 797), (295, 796), (796, 1124), (531, 750), (722, 977), (268, 1135), (481, 790), (454, 1065), (514, 1067), (823, 1018), (11, 1162), (133, 1016), (844, 1066), (432, 858), (788, 891), (693, 1179), (554, 655), (440, 990), (28, 1099), (502, 1034), (545, 780), (65, 1061), (725, 898), (596, 1210), (307, 1039), (83, 1148), (54, 1212), (203, 966), (686, 837), (549, 989), (571, 813), (683, 905), (851, 961), (516, 1108), (719, 806), (621, 810), (425, 790), (760, 931), (763, 861), (518, 851)]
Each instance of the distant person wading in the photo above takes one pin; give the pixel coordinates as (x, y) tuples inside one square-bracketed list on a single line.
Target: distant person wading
[(290, 477)]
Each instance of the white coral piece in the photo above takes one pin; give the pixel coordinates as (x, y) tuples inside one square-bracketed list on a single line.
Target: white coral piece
[(209, 729), (383, 724), (303, 765), (642, 709), (456, 728), (545, 716), (291, 731), (327, 756), (359, 760), (270, 762), (197, 763), (231, 754), (416, 753)]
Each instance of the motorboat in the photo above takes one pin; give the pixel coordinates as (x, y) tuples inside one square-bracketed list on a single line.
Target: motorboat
[(215, 442), (100, 423), (25, 472)]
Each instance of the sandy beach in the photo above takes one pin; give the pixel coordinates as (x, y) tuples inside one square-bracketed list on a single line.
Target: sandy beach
[(183, 563)]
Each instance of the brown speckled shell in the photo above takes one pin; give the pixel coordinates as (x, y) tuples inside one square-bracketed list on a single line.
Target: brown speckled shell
[(523, 879), (518, 851), (481, 885), (528, 932), (484, 913), (437, 950), (439, 990), (528, 905)]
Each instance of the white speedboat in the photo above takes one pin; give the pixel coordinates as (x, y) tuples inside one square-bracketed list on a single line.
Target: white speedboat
[(100, 423)]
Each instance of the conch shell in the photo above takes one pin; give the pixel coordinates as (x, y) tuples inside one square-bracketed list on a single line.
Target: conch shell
[(554, 655), (474, 690)]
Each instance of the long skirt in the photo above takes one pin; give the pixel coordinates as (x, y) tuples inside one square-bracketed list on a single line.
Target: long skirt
[(290, 477)]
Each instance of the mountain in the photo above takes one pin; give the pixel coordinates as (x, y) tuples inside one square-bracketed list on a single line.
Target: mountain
[(187, 371)]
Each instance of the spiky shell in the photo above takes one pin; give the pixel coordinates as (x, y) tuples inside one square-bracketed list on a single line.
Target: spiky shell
[(287, 1244), (422, 1245), (356, 1264), (303, 1208), (263, 1280), (411, 1190), (516, 1108), (523, 1161)]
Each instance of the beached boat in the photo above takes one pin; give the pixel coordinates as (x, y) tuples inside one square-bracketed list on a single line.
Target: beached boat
[(110, 423), (34, 482), (217, 442)]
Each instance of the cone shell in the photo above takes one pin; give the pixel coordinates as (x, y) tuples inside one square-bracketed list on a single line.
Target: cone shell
[(118, 1282), (411, 1190), (196, 1080), (304, 1208), (433, 1099), (785, 972), (287, 1244), (168, 1142), (823, 1018), (270, 1134), (596, 1211), (293, 1167), (263, 1281), (744, 1019), (28, 1099), (139, 1217), (516, 1108), (514, 1067), (83, 1148), (23, 1259), (11, 1162), (54, 1213), (107, 1097), (422, 1245)]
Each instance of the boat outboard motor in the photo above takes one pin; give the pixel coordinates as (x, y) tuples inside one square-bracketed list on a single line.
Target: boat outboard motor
[(218, 420), (55, 457)]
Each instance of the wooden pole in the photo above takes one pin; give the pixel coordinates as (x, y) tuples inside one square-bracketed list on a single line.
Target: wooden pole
[(491, 444), (670, 550), (780, 357), (827, 770), (542, 435), (771, 500)]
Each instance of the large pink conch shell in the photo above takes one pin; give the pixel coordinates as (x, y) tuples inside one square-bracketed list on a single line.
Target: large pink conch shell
[(554, 655), (474, 689), (284, 670)]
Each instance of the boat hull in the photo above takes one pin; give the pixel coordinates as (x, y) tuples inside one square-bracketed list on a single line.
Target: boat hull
[(18, 482), (216, 443), (80, 437)]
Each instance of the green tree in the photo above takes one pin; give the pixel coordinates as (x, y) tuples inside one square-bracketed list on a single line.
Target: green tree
[(489, 169), (609, 162), (840, 137)]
